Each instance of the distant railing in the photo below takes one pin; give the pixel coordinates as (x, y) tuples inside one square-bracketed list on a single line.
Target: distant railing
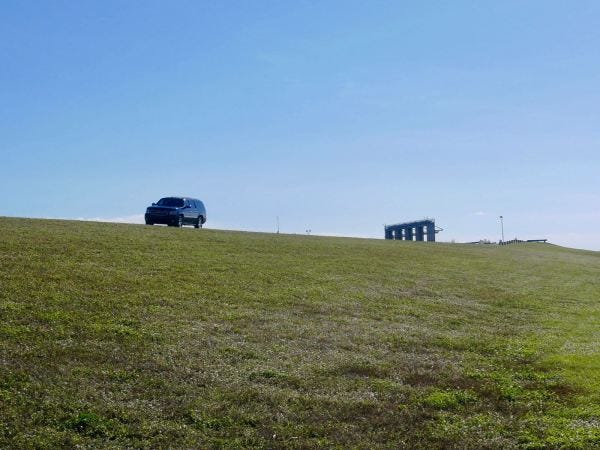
[(519, 241)]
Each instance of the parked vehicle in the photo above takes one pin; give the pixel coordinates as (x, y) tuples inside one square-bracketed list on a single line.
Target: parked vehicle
[(176, 212)]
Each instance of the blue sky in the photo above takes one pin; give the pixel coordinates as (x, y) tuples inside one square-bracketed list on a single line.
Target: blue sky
[(335, 116)]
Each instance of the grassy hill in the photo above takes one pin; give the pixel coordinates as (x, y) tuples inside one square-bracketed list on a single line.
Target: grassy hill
[(127, 335)]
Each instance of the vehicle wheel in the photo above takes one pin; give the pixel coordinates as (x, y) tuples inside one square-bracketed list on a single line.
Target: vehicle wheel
[(149, 223), (198, 223)]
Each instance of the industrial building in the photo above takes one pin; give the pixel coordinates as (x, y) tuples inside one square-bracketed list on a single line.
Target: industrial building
[(420, 230)]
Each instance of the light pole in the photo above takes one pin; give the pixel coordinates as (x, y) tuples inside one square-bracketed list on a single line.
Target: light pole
[(502, 226)]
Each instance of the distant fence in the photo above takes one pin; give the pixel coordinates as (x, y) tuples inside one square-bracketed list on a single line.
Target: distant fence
[(519, 241)]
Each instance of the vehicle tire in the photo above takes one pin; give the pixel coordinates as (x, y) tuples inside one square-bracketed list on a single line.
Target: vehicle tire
[(198, 223), (149, 223)]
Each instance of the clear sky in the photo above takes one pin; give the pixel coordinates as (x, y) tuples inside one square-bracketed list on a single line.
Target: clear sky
[(336, 116)]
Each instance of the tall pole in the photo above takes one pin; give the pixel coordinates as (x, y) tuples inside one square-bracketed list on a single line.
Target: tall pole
[(502, 225), (277, 224)]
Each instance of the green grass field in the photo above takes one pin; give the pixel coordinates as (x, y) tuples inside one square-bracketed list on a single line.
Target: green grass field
[(133, 336)]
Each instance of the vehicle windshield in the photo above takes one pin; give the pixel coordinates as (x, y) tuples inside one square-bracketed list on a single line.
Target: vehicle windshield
[(170, 201)]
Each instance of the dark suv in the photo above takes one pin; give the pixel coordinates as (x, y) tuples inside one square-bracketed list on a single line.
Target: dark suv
[(176, 212)]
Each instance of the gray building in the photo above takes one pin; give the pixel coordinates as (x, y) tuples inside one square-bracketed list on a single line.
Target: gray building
[(420, 230)]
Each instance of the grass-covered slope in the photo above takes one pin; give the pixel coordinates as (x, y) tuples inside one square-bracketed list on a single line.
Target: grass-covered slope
[(126, 335)]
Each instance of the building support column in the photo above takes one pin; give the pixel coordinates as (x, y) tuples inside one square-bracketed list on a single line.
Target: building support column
[(419, 232), (388, 233), (431, 232)]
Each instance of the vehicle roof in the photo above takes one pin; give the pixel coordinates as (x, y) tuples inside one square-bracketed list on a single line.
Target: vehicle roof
[(183, 198), (180, 197)]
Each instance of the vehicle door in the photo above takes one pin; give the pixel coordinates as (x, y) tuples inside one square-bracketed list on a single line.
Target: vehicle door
[(196, 208), (195, 211), (189, 211)]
